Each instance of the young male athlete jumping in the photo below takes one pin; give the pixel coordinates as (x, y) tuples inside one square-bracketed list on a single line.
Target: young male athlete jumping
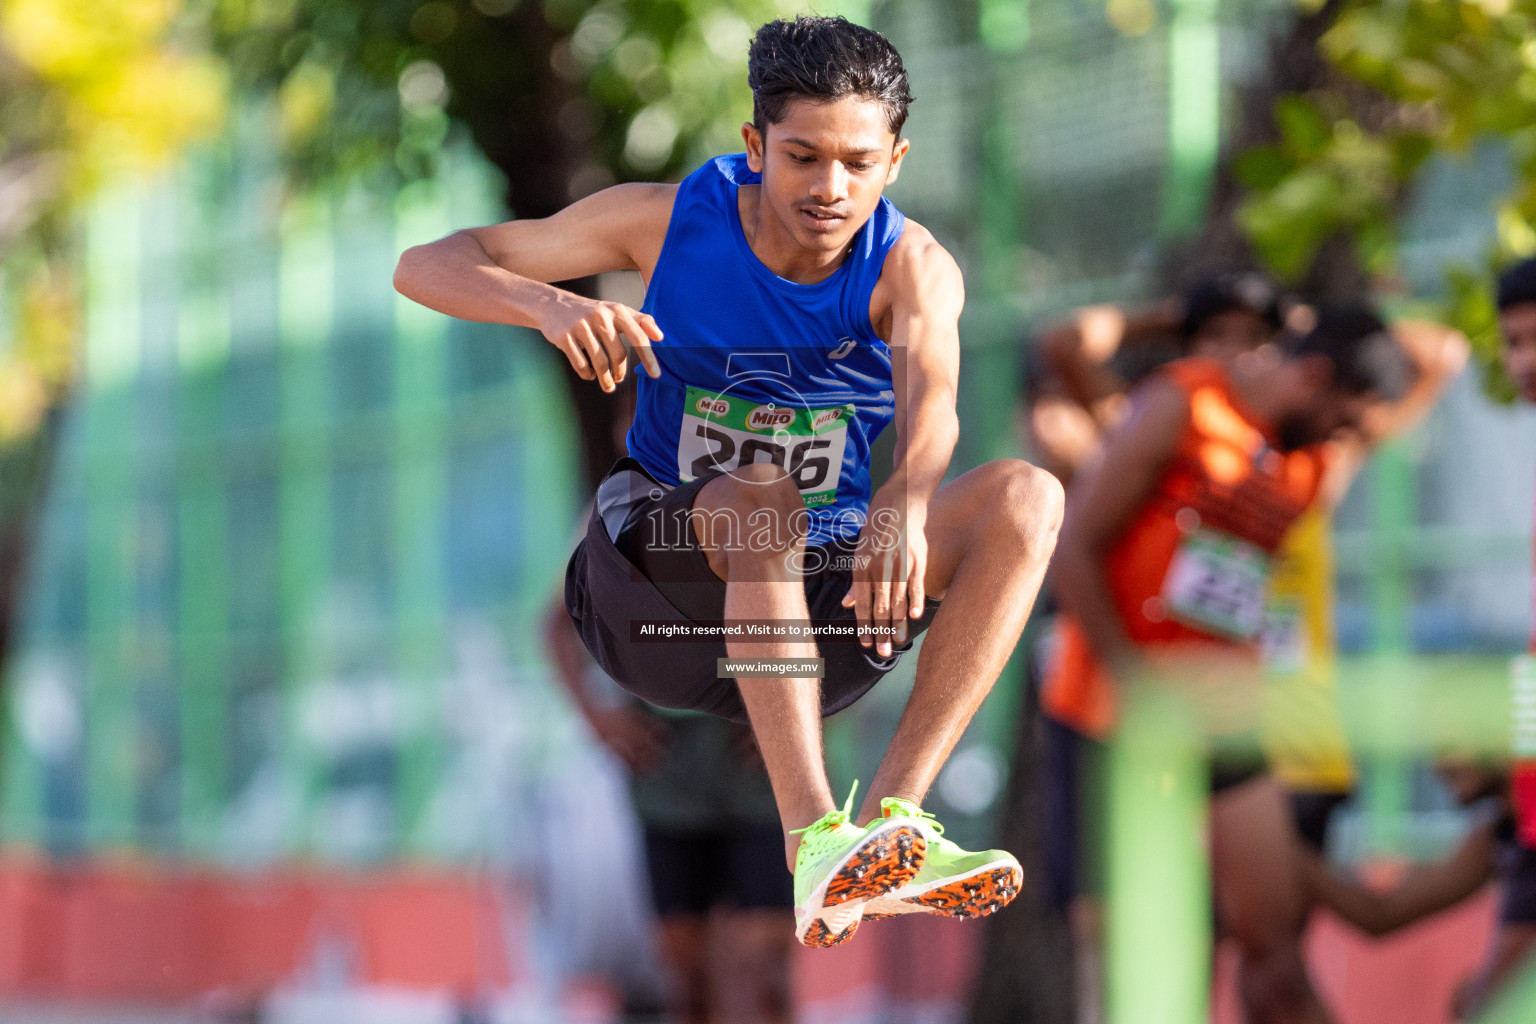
[(791, 314)]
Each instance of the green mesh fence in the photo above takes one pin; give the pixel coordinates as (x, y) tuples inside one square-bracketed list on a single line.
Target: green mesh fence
[(285, 502)]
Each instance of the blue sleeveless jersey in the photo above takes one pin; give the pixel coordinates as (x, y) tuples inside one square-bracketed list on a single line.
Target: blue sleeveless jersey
[(755, 368)]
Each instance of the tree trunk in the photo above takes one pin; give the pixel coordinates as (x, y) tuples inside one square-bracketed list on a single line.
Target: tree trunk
[(1026, 972), (1295, 65), (514, 115), (25, 467)]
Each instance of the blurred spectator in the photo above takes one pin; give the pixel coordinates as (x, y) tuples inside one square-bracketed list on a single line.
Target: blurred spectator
[(714, 852)]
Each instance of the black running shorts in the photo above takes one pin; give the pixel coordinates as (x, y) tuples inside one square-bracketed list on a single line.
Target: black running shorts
[(655, 571), (742, 868), (1516, 869)]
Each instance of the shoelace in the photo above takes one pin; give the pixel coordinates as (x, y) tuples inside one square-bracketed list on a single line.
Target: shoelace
[(910, 810), (820, 834)]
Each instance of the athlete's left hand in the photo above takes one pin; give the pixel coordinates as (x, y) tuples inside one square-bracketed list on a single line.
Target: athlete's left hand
[(888, 569)]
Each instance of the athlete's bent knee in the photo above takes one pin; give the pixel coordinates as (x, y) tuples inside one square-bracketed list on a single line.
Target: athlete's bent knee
[(753, 511), (1029, 506), (754, 486)]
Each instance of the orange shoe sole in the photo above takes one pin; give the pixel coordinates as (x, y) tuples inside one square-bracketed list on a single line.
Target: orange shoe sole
[(819, 936), (974, 896), (881, 865), (887, 862)]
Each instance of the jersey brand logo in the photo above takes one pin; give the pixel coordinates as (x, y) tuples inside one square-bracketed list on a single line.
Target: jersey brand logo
[(844, 346)]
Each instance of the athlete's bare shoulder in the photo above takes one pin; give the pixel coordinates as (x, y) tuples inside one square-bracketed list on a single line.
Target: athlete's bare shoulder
[(640, 211), (918, 280), (619, 228)]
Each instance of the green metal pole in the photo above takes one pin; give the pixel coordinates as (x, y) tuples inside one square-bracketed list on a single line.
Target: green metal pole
[(421, 484), (22, 778), (1385, 778), (1194, 114), (304, 500), (1004, 25), (1158, 938), (856, 11), (112, 346), (202, 564)]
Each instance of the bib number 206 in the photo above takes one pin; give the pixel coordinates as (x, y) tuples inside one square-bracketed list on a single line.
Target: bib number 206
[(725, 432), (809, 470)]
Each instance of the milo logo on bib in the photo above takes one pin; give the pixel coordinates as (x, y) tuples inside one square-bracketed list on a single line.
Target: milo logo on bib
[(725, 432), (768, 417)]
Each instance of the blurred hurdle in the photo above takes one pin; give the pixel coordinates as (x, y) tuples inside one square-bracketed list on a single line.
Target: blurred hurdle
[(1158, 939)]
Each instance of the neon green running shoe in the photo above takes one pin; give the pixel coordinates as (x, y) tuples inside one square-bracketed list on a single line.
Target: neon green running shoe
[(840, 866), (952, 882)]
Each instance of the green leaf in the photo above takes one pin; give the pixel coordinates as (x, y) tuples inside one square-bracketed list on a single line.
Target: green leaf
[(1409, 152), (1469, 308), (1262, 167), (1305, 131)]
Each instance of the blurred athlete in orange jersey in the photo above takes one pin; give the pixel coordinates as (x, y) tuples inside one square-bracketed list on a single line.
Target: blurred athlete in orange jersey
[(1172, 538), (1089, 359), (1085, 362)]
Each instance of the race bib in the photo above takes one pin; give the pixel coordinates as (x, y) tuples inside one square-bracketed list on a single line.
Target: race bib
[(724, 432), (1284, 640), (1218, 583)]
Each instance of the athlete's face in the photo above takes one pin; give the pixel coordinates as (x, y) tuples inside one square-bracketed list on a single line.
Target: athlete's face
[(824, 167), (1228, 335), (1518, 325), (1321, 411)]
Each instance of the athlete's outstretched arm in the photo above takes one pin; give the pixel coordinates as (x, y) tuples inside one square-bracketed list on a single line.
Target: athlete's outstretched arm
[(1439, 354), (1078, 351), (1103, 501), (926, 293), (1427, 889), (501, 274)]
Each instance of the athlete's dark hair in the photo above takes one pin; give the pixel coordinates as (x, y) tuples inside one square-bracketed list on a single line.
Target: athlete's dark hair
[(1517, 284), (824, 59), (1228, 292), (1366, 358)]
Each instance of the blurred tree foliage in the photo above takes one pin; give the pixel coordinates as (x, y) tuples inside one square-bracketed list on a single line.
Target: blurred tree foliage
[(88, 89), (1413, 78), (564, 97)]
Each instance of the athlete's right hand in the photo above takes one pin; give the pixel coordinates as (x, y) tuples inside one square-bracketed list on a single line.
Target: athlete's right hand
[(591, 334)]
